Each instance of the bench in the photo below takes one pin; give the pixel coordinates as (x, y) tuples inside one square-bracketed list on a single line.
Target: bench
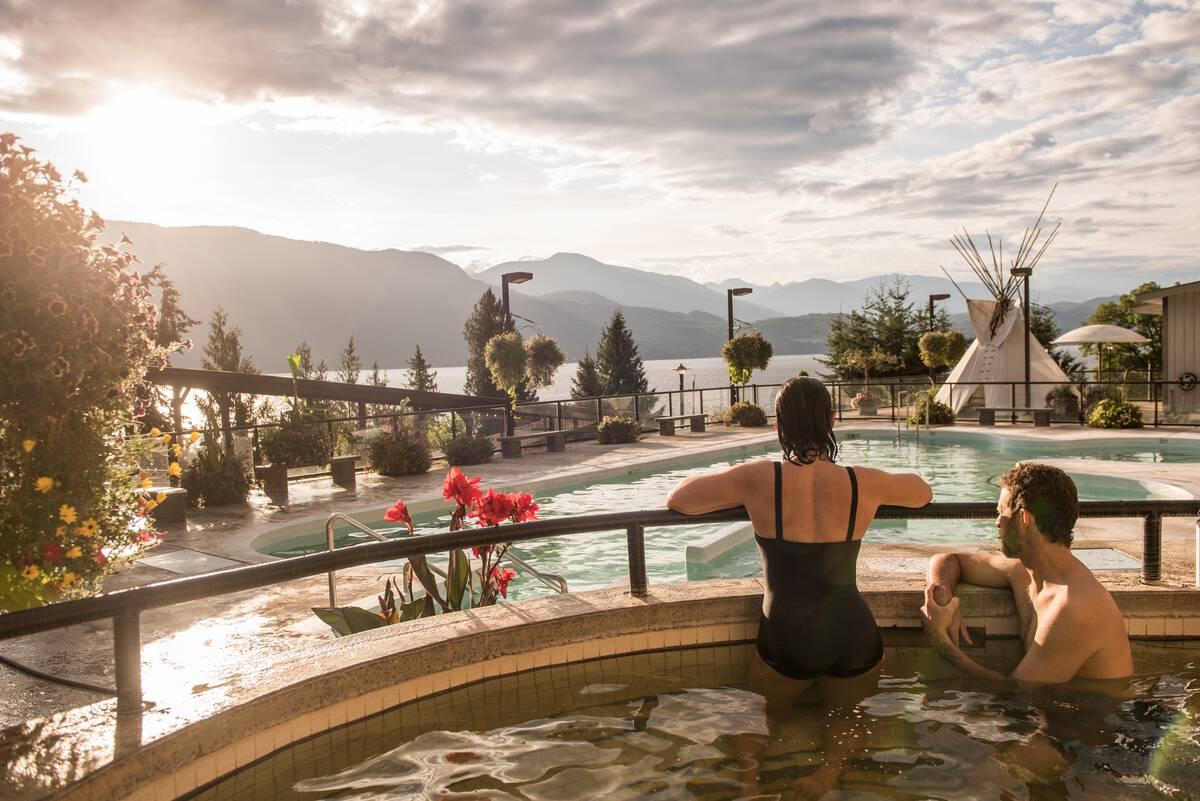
[(556, 442), (1041, 414), (342, 470), (666, 425)]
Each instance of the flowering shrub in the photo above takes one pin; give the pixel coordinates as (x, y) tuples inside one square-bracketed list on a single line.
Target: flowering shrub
[(929, 411), (77, 335), (463, 588), (866, 398), (614, 430), (745, 414), (1111, 413)]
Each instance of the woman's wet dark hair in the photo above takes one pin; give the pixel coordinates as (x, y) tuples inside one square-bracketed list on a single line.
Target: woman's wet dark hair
[(804, 416)]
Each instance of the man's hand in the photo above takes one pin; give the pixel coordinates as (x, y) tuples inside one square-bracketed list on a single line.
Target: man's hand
[(943, 620)]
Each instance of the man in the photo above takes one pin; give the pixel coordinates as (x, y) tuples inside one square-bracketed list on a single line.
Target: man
[(1070, 625)]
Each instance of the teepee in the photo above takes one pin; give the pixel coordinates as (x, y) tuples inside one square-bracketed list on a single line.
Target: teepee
[(998, 352)]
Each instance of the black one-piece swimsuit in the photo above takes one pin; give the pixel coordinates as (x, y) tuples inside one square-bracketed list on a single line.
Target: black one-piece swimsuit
[(815, 622)]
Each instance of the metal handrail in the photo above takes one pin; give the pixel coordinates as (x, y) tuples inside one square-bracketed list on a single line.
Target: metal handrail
[(124, 607), (551, 580)]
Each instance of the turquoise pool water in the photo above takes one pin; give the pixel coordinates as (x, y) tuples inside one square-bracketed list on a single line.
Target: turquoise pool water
[(958, 472)]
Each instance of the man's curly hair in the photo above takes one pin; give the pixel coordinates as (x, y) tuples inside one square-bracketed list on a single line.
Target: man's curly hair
[(1049, 495)]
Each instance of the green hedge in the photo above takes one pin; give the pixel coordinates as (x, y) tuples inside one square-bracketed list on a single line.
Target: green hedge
[(297, 442), (215, 478), (403, 452), (613, 430), (747, 415), (939, 414), (468, 449)]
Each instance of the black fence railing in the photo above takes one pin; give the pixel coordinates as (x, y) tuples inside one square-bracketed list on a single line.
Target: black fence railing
[(124, 607)]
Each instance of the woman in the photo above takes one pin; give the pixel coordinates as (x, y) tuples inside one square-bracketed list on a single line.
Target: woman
[(809, 515)]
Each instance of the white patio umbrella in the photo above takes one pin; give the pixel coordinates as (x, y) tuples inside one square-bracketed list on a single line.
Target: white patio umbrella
[(1101, 335)]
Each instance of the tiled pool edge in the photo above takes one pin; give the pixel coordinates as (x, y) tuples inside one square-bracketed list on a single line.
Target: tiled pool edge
[(378, 670)]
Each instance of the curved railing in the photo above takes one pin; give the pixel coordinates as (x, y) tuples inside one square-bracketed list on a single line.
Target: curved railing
[(124, 607)]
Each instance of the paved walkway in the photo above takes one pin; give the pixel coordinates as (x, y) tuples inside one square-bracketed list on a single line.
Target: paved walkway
[(202, 644)]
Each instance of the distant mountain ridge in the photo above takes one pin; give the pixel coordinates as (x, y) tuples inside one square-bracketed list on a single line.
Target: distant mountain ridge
[(282, 291)]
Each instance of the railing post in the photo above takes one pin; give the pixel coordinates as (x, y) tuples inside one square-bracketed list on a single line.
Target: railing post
[(837, 388), (558, 416), (671, 404), (755, 386), (1013, 387), (127, 656), (702, 401), (599, 411), (635, 538), (453, 425), (637, 408), (895, 390), (1151, 547)]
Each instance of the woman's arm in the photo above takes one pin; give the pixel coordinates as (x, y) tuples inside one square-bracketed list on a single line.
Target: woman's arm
[(898, 489), (710, 492)]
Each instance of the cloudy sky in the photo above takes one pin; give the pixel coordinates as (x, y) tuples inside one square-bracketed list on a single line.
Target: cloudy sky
[(760, 139)]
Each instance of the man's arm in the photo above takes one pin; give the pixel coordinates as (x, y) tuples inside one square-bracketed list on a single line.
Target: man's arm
[(945, 572), (937, 619)]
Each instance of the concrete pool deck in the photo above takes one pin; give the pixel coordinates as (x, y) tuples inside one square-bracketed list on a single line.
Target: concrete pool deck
[(209, 644)]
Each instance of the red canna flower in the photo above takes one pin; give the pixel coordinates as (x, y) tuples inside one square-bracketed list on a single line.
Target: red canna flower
[(503, 575), (524, 509), (52, 552), (460, 489), (493, 508), (399, 514)]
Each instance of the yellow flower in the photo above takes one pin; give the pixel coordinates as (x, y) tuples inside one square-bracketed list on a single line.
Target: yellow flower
[(60, 532), (174, 470), (28, 444), (160, 497), (69, 578), (67, 514), (177, 450), (146, 483), (44, 484), (195, 435), (31, 572), (150, 504), (166, 438), (74, 552), (154, 432), (89, 527)]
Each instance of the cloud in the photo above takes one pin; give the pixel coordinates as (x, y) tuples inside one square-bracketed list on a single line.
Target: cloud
[(730, 231)]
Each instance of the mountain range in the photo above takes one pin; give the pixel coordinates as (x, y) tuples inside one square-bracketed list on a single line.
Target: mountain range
[(282, 291)]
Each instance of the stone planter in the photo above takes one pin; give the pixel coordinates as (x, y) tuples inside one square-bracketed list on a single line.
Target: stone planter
[(867, 409)]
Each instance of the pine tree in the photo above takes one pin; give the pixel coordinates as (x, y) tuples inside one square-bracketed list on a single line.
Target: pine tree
[(223, 351), (170, 331), (306, 363), (486, 321), (617, 360), (419, 376), (887, 323), (377, 378), (350, 366), (587, 383)]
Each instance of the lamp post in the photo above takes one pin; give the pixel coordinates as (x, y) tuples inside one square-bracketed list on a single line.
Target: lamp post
[(681, 371), (729, 295), (505, 280), (1023, 273), (932, 300)]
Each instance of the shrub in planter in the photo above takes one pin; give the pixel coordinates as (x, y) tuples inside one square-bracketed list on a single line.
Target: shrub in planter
[(470, 448), (746, 415), (297, 441), (403, 452), (214, 478), (1065, 402), (613, 430), (1115, 414), (77, 335), (939, 414)]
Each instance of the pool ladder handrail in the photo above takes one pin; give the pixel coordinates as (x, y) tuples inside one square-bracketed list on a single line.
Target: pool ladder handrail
[(551, 580)]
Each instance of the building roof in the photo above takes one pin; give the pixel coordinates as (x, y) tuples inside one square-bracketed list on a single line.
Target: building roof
[(1151, 302)]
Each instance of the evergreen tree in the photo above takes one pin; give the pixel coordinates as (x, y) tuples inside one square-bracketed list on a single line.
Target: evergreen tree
[(888, 323), (321, 371), (486, 320), (419, 376), (223, 351), (170, 331), (1121, 312), (350, 366), (617, 360), (306, 363), (1045, 330), (587, 383), (377, 378)]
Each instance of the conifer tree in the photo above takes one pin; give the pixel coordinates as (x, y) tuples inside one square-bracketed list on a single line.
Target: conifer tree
[(486, 321), (617, 360), (586, 383), (223, 351), (377, 378), (419, 376), (351, 364), (307, 370)]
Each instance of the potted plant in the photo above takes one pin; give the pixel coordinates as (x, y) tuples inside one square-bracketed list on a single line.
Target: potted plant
[(867, 403), (1065, 402)]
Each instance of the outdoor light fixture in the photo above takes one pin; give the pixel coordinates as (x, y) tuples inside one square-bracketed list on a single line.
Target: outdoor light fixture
[(1023, 273), (681, 371), (932, 300), (729, 295), (505, 280)]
